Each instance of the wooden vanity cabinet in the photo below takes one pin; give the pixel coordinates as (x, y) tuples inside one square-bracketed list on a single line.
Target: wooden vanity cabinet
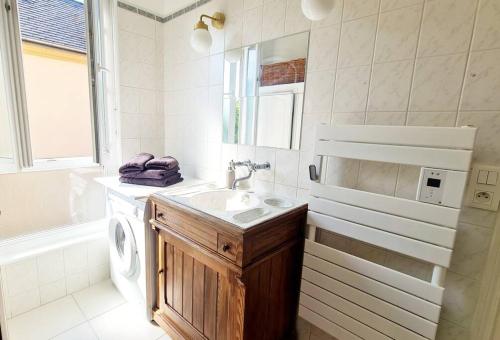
[(217, 281)]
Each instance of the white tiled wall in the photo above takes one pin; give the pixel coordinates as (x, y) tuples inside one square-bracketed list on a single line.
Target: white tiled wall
[(388, 62), (141, 84), (398, 62), (40, 279)]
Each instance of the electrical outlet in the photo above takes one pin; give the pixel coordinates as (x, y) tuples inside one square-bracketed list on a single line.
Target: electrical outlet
[(483, 197), (484, 187)]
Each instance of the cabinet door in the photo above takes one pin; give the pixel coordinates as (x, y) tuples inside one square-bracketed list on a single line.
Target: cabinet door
[(195, 290)]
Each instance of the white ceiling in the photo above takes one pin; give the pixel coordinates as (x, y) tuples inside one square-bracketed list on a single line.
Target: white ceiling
[(160, 7)]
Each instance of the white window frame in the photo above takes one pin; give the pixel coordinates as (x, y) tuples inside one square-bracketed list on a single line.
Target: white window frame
[(101, 104)]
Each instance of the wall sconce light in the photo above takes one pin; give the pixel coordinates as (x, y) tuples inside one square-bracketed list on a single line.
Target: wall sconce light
[(201, 40), (317, 9)]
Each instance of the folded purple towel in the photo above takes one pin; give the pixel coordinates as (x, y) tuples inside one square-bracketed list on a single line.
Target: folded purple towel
[(153, 182), (151, 173), (164, 163), (137, 163)]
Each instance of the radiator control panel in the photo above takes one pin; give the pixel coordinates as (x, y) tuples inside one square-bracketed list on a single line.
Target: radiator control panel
[(441, 187), (431, 185)]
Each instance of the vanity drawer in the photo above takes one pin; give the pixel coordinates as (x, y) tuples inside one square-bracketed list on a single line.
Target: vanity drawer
[(228, 247), (187, 225), (160, 214)]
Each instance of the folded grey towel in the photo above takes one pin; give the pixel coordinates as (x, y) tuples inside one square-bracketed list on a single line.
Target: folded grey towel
[(137, 163), (151, 173), (153, 182), (164, 163)]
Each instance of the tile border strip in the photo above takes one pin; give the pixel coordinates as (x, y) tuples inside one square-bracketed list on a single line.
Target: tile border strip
[(139, 11), (155, 17)]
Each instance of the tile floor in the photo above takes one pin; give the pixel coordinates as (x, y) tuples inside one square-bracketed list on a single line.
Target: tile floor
[(101, 313), (96, 313)]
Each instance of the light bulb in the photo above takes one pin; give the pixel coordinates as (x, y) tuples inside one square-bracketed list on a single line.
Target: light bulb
[(317, 9), (201, 40)]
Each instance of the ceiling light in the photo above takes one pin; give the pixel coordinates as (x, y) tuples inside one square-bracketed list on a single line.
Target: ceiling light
[(317, 9)]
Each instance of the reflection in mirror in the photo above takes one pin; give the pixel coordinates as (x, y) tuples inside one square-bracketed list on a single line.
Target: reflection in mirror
[(6, 151), (264, 91)]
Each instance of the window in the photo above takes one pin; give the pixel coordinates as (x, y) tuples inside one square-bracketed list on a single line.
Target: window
[(240, 90), (56, 104), (6, 137)]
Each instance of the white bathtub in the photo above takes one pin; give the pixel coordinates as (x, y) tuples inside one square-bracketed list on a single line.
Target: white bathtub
[(41, 267), (20, 247)]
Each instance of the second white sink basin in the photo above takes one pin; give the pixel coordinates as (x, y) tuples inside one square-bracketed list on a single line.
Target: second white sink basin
[(224, 200), (278, 203), (251, 215)]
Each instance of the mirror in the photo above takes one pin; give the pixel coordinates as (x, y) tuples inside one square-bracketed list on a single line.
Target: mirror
[(264, 92)]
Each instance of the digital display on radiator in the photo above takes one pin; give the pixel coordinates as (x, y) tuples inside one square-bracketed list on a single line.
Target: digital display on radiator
[(433, 182)]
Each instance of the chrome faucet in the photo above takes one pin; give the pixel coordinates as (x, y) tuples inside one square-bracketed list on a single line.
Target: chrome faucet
[(252, 167)]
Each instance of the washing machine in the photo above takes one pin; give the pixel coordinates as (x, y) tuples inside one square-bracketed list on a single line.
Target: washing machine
[(127, 247), (127, 237)]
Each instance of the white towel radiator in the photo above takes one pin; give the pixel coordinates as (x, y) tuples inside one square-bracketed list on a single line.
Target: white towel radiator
[(352, 298)]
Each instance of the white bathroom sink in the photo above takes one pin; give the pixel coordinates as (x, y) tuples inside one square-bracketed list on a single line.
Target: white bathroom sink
[(224, 200), (244, 209)]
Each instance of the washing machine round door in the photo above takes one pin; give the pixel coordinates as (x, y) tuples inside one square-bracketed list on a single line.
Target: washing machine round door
[(122, 245)]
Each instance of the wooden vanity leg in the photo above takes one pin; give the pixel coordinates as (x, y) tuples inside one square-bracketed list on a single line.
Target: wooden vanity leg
[(161, 273), (237, 307)]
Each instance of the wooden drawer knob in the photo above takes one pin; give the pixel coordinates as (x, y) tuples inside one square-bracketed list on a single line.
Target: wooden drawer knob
[(160, 215), (226, 247)]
